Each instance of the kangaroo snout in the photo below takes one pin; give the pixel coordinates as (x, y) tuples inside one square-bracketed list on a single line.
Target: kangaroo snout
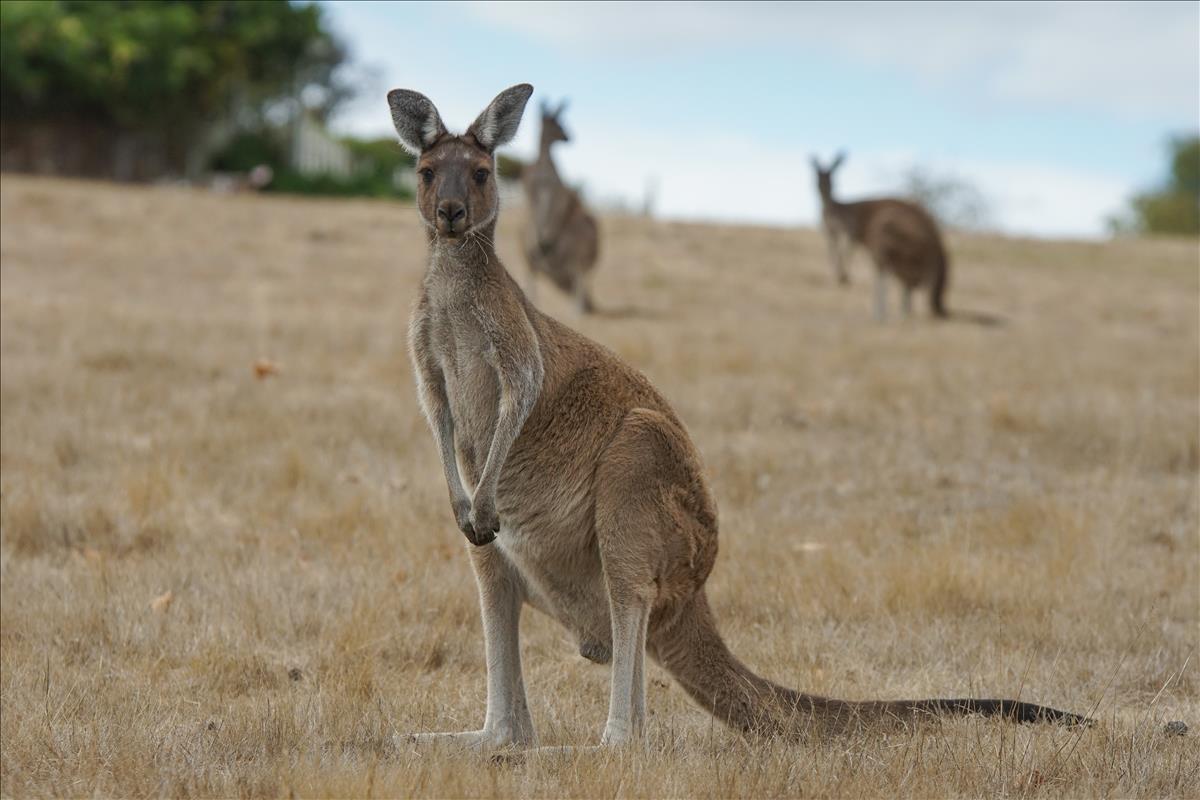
[(452, 216)]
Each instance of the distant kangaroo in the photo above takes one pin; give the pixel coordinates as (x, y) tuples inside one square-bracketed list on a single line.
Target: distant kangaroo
[(573, 479), (902, 237), (561, 238)]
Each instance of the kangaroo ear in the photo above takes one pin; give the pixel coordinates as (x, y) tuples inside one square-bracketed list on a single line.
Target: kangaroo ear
[(561, 108), (837, 162), (815, 163), (498, 123), (416, 120)]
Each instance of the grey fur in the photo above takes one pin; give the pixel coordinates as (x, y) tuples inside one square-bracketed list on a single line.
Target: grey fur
[(498, 123), (416, 119)]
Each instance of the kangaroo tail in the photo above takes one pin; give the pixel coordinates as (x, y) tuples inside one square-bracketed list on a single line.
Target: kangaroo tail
[(689, 646), (941, 277), (1014, 710)]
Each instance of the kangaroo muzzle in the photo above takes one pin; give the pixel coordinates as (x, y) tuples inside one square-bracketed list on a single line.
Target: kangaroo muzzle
[(451, 217)]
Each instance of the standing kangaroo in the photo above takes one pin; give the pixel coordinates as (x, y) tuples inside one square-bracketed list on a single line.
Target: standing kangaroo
[(561, 238), (902, 237), (571, 476)]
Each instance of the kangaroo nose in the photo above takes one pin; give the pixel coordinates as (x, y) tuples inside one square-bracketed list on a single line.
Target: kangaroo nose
[(451, 210)]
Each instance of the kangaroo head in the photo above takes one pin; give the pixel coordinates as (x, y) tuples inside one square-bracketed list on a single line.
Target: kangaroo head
[(825, 175), (456, 180), (552, 129)]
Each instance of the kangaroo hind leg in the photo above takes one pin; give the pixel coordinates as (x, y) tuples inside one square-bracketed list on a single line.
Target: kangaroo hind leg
[(881, 279), (507, 722), (655, 529), (582, 290)]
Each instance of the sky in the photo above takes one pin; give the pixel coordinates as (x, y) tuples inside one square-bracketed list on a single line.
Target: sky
[(1056, 112)]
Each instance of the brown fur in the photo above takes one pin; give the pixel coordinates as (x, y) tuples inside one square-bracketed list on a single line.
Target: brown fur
[(902, 238), (561, 238), (581, 491)]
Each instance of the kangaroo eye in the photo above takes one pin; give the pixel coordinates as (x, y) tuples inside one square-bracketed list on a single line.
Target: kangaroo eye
[(481, 175), (427, 176)]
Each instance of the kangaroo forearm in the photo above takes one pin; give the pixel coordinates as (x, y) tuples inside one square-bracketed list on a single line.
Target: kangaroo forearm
[(445, 437), (442, 424), (519, 372), (518, 394), (508, 427)]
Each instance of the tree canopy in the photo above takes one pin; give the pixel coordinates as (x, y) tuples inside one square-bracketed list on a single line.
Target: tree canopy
[(1174, 208), (139, 64)]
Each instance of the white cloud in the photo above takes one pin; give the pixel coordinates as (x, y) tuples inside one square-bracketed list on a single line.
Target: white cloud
[(1131, 58), (770, 185)]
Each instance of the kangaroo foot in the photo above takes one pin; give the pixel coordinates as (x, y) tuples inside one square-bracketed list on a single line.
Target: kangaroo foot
[(478, 741)]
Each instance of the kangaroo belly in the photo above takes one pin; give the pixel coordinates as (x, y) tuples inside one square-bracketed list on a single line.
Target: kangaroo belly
[(547, 532), (546, 503), (911, 265), (562, 578)]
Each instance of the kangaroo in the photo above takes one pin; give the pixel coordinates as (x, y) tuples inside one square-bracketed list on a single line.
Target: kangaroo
[(902, 237), (572, 478), (561, 238)]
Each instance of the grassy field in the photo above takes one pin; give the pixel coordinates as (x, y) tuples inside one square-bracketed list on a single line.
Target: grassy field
[(217, 583)]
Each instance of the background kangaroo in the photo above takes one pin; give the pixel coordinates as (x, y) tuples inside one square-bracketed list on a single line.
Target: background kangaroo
[(573, 478), (561, 238), (902, 238)]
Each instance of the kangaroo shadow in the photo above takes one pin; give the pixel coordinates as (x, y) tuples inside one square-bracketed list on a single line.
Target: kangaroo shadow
[(981, 318), (817, 281), (625, 312)]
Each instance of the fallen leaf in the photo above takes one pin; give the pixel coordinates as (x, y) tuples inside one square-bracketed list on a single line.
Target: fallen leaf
[(89, 555), (264, 368), (161, 603)]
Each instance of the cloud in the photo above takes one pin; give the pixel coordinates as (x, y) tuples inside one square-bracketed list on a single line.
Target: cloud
[(772, 185), (1031, 198), (1138, 59)]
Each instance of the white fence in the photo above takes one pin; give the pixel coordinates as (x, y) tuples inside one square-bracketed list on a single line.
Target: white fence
[(315, 152)]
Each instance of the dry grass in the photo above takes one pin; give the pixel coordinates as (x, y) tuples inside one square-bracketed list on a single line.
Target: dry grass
[(907, 510)]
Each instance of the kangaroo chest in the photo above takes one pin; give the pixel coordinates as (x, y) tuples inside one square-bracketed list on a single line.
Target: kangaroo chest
[(546, 192), (542, 174)]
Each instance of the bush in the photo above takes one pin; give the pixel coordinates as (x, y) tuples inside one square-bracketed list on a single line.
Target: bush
[(360, 184), (509, 168), (376, 163), (1175, 207), (247, 150), (382, 155)]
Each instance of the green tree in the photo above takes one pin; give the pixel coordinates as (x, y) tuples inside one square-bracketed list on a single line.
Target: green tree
[(181, 70), (1175, 207)]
